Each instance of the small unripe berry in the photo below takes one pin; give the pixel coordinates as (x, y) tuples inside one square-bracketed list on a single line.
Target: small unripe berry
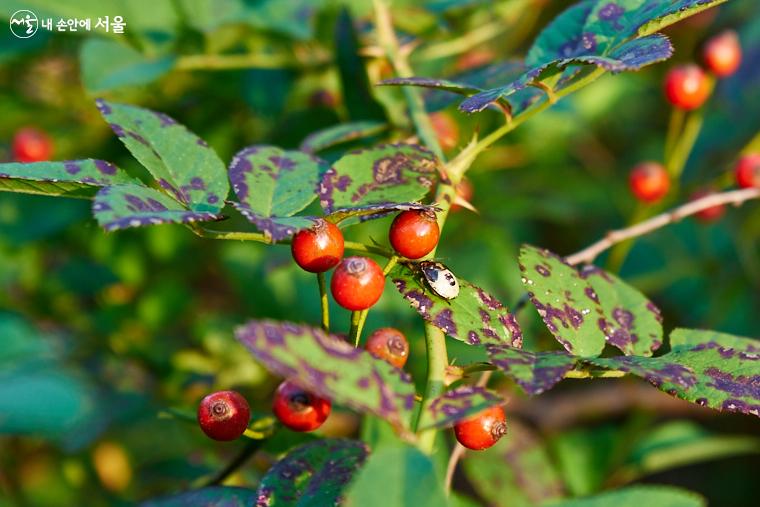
[(722, 54), (446, 130), (687, 87), (357, 283), (649, 182), (32, 145), (483, 430), (710, 214), (319, 248), (747, 171), (390, 345), (414, 233), (223, 415), (299, 409)]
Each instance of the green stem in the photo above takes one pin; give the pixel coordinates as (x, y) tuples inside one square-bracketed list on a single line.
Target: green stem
[(675, 125), (683, 146), (437, 359), (324, 300), (355, 331)]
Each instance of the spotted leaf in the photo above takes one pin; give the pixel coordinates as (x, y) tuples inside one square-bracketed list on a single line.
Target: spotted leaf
[(125, 206), (71, 178), (342, 133), (474, 316), (276, 228), (568, 305), (457, 404), (370, 211), (631, 323), (182, 163), (394, 173), (712, 369), (516, 472), (313, 474), (212, 496), (332, 368), (535, 372)]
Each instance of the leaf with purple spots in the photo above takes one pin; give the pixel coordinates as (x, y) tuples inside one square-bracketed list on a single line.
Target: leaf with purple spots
[(631, 322), (474, 316), (563, 37), (182, 164), (275, 228), (271, 181), (342, 133), (457, 404), (212, 496), (71, 178), (394, 173), (372, 211), (313, 474), (125, 206), (516, 472), (711, 369), (535, 372), (330, 367), (667, 13), (566, 302)]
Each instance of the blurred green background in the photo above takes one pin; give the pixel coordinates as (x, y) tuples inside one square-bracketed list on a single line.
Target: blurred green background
[(101, 333)]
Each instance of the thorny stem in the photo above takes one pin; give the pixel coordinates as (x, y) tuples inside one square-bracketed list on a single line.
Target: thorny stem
[(324, 302), (734, 197)]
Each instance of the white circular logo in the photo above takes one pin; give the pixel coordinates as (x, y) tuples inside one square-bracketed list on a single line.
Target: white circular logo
[(24, 24)]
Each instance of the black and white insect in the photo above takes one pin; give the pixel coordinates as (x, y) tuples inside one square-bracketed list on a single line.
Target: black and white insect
[(440, 279)]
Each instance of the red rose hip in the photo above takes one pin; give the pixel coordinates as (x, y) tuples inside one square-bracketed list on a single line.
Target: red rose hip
[(357, 283), (722, 54), (223, 415), (319, 248), (299, 409), (414, 234), (687, 87), (483, 430), (747, 171), (649, 182), (32, 145), (390, 345)]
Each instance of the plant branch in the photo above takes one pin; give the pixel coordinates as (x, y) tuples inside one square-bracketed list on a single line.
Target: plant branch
[(324, 302), (734, 197), (437, 359), (239, 460)]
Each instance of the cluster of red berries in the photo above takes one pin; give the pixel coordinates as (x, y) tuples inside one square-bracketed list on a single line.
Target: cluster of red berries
[(687, 87), (358, 282), (31, 145)]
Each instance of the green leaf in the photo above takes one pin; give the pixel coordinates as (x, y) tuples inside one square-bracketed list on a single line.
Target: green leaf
[(72, 178), (457, 404), (711, 369), (637, 496), (182, 163), (389, 173), (584, 456), (397, 477), (213, 496), (275, 182), (21, 342), (108, 64), (567, 304), (632, 322), (342, 133), (357, 91), (516, 472), (667, 14), (125, 206), (535, 372), (473, 317), (330, 367), (313, 474), (555, 41)]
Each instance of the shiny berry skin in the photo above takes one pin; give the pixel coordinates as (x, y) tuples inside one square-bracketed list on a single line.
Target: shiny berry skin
[(747, 171), (710, 214), (649, 182), (319, 248), (483, 430), (223, 415), (414, 233), (299, 409), (32, 145), (722, 54), (390, 345), (687, 87), (357, 283)]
